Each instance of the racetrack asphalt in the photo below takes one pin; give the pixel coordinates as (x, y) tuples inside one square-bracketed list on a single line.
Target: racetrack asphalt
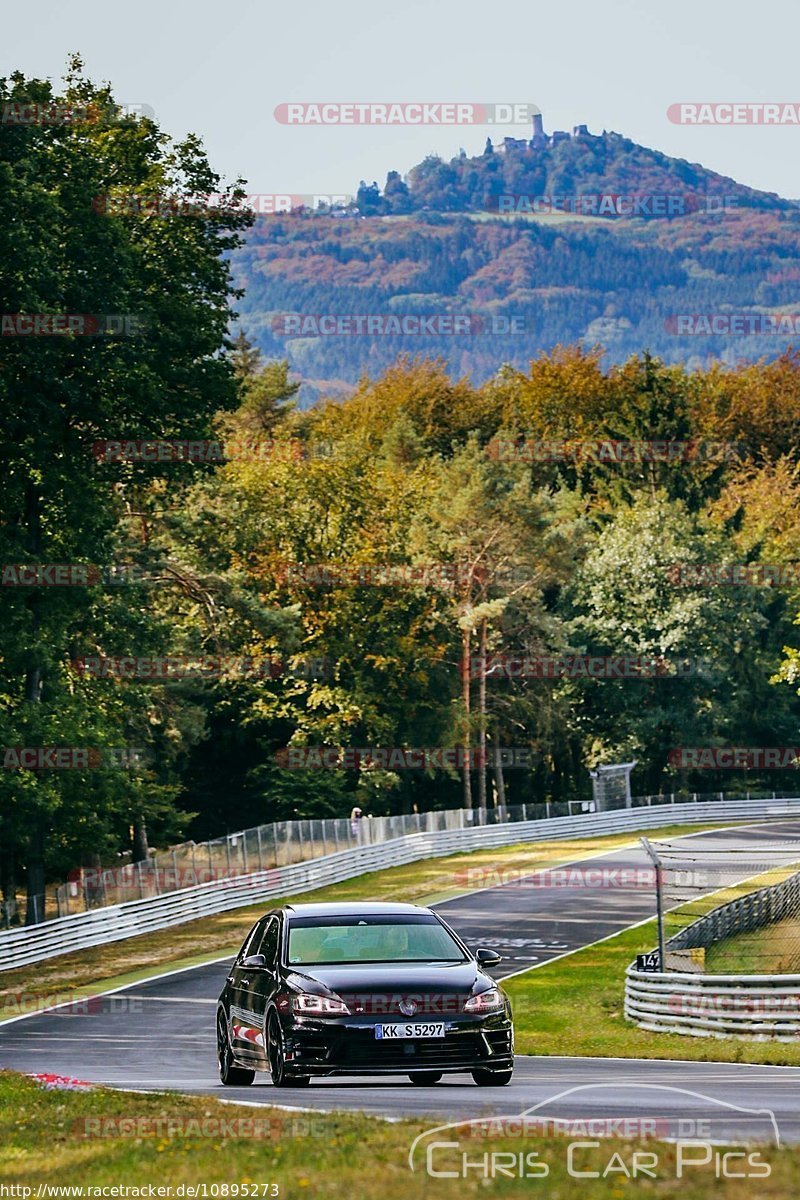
[(159, 1034)]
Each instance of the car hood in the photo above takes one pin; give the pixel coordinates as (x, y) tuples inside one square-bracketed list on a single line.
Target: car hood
[(459, 978)]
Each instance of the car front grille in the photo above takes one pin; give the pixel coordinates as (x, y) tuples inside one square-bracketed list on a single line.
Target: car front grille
[(373, 1054)]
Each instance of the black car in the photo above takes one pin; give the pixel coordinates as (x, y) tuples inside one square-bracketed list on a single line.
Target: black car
[(361, 989)]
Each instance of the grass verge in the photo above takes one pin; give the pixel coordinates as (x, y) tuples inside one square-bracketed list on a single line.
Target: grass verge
[(76, 1139), (775, 949)]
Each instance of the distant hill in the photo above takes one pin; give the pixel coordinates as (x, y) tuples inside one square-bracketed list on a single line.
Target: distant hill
[(561, 166), (536, 242)]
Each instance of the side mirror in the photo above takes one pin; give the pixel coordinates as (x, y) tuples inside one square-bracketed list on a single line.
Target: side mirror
[(255, 962), (488, 958)]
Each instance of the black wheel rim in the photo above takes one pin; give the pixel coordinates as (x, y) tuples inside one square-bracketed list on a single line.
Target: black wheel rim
[(275, 1051), (222, 1045)]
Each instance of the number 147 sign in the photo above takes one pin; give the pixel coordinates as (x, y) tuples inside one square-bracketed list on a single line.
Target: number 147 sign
[(648, 962)]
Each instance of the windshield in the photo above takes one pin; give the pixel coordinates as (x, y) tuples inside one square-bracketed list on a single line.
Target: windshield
[(371, 939)]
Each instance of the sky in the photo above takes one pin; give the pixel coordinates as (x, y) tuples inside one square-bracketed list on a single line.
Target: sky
[(220, 70)]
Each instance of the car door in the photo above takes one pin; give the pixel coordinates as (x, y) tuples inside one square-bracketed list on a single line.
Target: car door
[(265, 982), (257, 985), (245, 1025)]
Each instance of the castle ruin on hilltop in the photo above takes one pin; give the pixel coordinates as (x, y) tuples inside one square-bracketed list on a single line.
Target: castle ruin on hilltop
[(540, 140)]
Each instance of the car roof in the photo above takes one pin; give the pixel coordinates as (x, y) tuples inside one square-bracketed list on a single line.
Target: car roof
[(353, 908)]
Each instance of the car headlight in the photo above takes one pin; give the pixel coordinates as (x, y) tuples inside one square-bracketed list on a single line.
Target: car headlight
[(309, 1005), (484, 1002)]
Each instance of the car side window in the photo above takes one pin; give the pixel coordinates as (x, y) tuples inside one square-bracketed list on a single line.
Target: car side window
[(269, 945), (252, 943)]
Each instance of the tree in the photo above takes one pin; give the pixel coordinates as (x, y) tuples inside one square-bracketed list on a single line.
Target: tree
[(245, 358), (713, 686), (503, 537), (148, 366), (267, 398)]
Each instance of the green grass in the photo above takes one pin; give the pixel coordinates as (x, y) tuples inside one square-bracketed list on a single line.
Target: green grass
[(43, 1141), (775, 949)]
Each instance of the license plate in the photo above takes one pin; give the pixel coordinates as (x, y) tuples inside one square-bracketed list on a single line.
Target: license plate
[(417, 1029)]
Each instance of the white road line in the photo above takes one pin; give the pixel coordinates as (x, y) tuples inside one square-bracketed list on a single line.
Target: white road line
[(174, 999)]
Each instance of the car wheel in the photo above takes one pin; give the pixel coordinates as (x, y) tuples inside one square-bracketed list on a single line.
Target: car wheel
[(425, 1078), (229, 1073), (492, 1078), (281, 1074)]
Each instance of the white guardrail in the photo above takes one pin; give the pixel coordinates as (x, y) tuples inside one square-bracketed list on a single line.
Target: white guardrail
[(751, 1006), (19, 947)]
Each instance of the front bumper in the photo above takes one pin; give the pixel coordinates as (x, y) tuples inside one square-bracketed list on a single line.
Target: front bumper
[(348, 1046)]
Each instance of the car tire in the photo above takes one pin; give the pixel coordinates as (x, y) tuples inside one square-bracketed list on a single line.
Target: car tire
[(281, 1075), (425, 1078), (229, 1073), (493, 1078)]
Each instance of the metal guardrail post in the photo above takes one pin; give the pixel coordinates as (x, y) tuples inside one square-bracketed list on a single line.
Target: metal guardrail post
[(662, 963)]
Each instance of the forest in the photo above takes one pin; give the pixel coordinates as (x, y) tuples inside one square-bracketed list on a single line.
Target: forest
[(224, 608)]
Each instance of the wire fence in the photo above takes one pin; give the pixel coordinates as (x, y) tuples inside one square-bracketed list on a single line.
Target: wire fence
[(728, 909), (282, 843)]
